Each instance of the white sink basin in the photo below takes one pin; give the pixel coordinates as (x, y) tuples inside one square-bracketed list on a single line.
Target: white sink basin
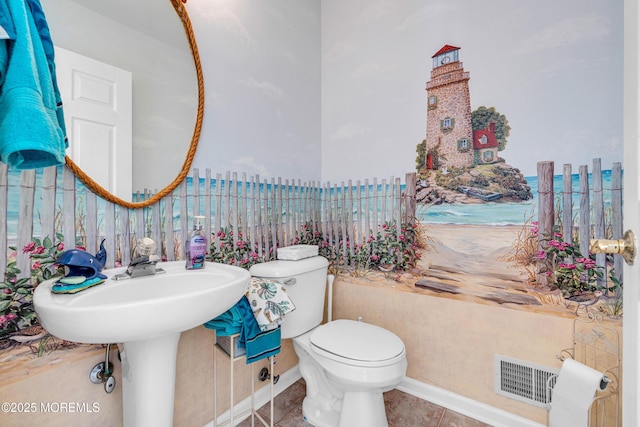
[(141, 308), (146, 316)]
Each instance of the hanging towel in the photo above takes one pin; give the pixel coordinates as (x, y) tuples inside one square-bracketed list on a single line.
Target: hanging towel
[(49, 52), (30, 132), (269, 302), (8, 31), (265, 344), (259, 344)]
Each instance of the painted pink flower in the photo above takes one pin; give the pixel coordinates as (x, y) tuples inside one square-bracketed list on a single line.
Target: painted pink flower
[(7, 318), (541, 255), (588, 262), (534, 228), (60, 246), (36, 265), (559, 245), (567, 266), (29, 247), (38, 250)]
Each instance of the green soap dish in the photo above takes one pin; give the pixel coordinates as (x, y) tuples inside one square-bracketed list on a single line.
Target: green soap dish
[(72, 280)]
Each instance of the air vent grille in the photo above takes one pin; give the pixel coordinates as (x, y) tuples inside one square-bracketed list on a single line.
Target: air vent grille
[(523, 381)]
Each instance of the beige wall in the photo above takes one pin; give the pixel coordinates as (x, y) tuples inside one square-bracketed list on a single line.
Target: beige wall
[(451, 343), (63, 376)]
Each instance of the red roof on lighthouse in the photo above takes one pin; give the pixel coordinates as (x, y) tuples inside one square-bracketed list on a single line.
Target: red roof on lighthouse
[(444, 49)]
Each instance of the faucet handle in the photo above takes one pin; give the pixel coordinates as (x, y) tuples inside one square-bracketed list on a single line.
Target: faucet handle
[(145, 259), (146, 246)]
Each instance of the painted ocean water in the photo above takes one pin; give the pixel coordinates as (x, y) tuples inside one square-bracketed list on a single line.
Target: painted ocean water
[(497, 213)]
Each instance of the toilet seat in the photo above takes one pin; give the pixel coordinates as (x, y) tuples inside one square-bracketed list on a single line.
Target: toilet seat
[(357, 343)]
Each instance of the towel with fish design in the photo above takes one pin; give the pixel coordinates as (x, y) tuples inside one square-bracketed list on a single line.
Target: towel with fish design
[(269, 301)]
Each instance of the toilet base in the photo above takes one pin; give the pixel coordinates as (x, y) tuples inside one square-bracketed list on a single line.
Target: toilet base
[(359, 409)]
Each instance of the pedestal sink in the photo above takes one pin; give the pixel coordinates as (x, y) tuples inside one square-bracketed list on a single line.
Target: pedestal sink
[(146, 315)]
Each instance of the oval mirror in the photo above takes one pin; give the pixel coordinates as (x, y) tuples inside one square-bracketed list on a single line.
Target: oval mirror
[(167, 118)]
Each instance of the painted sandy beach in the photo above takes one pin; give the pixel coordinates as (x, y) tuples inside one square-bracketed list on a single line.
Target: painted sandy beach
[(467, 262)]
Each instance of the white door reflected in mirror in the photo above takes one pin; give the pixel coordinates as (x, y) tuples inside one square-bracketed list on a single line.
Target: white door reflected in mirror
[(97, 102)]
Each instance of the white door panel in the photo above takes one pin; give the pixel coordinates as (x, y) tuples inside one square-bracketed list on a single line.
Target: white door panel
[(97, 100), (631, 320)]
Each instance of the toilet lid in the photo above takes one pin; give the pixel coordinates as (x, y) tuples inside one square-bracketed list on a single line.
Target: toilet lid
[(356, 341)]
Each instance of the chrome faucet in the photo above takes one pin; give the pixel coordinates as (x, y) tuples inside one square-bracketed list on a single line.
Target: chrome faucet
[(145, 263)]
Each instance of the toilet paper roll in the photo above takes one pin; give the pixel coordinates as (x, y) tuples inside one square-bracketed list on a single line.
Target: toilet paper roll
[(573, 394)]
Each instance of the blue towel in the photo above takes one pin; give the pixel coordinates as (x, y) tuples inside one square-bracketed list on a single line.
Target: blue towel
[(30, 132), (263, 345), (6, 22), (240, 319), (259, 344), (228, 323), (49, 51)]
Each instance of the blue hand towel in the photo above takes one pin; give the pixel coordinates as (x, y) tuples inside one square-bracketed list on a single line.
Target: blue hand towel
[(265, 344), (259, 344), (30, 132)]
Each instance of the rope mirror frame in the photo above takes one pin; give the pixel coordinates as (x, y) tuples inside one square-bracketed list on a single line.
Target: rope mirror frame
[(181, 11)]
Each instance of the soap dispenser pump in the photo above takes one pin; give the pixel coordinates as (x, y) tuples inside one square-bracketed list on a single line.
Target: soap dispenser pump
[(195, 246)]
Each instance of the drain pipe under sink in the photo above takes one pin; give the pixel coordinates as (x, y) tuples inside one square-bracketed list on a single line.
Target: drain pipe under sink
[(330, 279)]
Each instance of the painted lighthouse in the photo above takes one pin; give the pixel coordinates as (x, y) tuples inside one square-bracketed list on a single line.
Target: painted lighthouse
[(449, 141)]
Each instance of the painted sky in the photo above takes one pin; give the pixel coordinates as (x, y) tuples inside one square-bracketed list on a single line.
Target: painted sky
[(335, 89), (554, 69), (261, 65)]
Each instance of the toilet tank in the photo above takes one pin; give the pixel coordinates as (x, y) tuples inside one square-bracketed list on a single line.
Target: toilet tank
[(305, 281)]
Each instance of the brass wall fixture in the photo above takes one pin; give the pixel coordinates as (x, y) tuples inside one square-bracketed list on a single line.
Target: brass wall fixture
[(625, 246)]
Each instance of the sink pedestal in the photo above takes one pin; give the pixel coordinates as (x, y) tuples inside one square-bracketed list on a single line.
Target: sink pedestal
[(148, 381)]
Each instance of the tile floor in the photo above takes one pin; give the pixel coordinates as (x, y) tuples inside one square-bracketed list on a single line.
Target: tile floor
[(403, 410)]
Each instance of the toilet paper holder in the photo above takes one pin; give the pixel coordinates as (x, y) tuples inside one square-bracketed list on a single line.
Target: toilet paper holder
[(598, 346), (604, 383)]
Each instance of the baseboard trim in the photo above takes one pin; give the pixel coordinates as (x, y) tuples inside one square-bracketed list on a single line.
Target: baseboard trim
[(242, 409), (441, 397), (463, 405)]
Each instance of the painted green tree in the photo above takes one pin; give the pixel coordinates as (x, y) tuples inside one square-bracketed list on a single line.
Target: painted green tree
[(421, 150), (482, 116)]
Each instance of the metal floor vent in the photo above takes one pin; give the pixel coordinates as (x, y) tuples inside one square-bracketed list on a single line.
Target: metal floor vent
[(523, 381)]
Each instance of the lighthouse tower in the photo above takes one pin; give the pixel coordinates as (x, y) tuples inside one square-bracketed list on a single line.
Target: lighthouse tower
[(449, 132)]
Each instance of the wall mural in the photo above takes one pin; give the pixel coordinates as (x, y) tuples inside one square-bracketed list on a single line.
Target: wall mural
[(487, 125), (481, 212)]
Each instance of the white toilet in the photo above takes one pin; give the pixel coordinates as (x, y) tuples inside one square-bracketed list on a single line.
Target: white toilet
[(346, 364)]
